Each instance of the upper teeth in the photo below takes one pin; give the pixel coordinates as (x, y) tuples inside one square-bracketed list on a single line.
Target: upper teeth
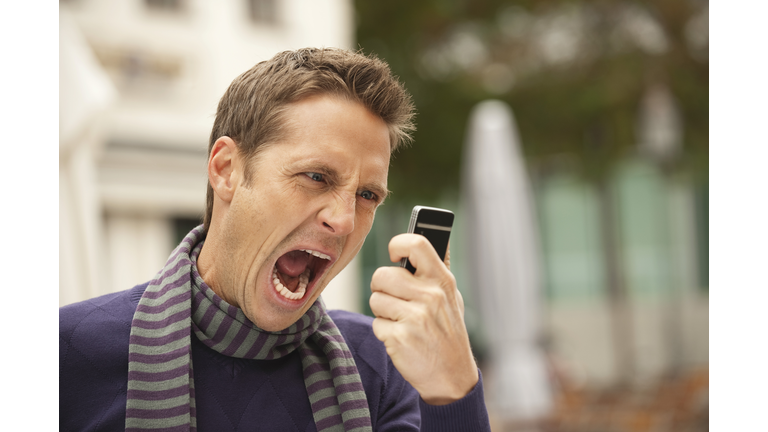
[(317, 254)]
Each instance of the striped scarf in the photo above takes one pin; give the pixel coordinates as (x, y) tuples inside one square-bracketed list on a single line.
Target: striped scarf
[(161, 390)]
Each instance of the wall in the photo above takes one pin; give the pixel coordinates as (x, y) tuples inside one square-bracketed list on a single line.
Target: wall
[(138, 170)]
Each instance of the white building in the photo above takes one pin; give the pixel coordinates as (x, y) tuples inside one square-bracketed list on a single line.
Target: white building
[(139, 85)]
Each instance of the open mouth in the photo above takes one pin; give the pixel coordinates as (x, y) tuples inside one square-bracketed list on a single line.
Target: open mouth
[(295, 272)]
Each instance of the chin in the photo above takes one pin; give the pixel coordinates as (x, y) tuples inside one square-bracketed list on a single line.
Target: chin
[(277, 312), (276, 320)]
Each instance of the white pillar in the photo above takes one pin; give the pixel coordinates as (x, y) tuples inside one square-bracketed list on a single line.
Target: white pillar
[(138, 247), (85, 93)]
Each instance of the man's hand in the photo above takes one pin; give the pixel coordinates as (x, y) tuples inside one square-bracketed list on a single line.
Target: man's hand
[(420, 319)]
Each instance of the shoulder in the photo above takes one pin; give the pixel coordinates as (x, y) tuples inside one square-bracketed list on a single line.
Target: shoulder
[(96, 330), (99, 325), (93, 360), (111, 309)]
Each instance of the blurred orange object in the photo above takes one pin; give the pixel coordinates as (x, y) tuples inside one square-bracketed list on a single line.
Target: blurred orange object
[(678, 403)]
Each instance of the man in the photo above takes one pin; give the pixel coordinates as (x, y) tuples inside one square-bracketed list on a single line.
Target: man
[(231, 335)]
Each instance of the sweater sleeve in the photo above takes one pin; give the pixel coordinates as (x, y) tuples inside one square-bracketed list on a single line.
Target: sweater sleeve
[(395, 405), (464, 415), (403, 410)]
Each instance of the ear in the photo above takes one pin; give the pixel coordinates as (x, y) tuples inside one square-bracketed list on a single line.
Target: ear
[(222, 168)]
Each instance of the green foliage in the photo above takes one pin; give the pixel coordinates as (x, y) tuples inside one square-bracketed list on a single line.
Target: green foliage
[(574, 73)]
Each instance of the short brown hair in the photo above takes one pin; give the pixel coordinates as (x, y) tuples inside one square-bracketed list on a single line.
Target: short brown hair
[(251, 110)]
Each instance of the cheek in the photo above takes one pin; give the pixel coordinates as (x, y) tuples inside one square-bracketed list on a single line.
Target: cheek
[(251, 226), (363, 225), (365, 216), (278, 208)]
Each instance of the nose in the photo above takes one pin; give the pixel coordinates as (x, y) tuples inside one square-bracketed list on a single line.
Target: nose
[(338, 215)]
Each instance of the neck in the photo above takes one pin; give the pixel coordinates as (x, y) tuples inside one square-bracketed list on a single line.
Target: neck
[(208, 268)]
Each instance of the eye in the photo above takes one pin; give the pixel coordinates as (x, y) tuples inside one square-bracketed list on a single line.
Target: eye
[(368, 195), (314, 176)]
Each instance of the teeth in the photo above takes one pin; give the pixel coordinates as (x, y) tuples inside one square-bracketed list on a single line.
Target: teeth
[(303, 279), (285, 292), (317, 254)]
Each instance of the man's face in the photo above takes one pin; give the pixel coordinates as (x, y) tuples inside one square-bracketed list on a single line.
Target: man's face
[(315, 191)]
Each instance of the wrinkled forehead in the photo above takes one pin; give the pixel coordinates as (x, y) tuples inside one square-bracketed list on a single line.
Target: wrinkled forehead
[(334, 129), (290, 123)]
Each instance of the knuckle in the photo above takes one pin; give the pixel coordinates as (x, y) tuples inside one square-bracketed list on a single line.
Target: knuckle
[(377, 333), (400, 336), (379, 277), (435, 295), (421, 314), (449, 280), (378, 329), (377, 273), (373, 301), (421, 241)]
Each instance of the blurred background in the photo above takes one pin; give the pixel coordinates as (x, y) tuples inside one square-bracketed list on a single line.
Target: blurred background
[(570, 138)]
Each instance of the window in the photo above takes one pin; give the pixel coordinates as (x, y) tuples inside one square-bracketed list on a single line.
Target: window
[(165, 5), (263, 11), (182, 227)]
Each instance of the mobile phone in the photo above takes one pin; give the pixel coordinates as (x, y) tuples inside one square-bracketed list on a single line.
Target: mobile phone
[(434, 224)]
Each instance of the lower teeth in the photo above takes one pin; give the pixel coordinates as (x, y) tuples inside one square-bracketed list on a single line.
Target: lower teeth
[(285, 292)]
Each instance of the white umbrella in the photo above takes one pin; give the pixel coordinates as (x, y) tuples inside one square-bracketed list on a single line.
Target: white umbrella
[(504, 263)]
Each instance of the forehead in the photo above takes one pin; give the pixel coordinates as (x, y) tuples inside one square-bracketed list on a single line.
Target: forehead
[(330, 108), (336, 131)]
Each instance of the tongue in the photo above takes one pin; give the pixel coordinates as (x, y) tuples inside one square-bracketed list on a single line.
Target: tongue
[(293, 263)]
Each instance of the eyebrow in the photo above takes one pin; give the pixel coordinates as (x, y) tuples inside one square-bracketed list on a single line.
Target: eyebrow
[(382, 193), (378, 189)]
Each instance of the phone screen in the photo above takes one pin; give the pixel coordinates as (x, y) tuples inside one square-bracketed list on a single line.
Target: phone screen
[(434, 224)]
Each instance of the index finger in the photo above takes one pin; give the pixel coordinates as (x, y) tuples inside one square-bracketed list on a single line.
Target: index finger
[(419, 252)]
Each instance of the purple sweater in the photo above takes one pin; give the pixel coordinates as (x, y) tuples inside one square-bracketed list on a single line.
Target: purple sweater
[(231, 393)]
